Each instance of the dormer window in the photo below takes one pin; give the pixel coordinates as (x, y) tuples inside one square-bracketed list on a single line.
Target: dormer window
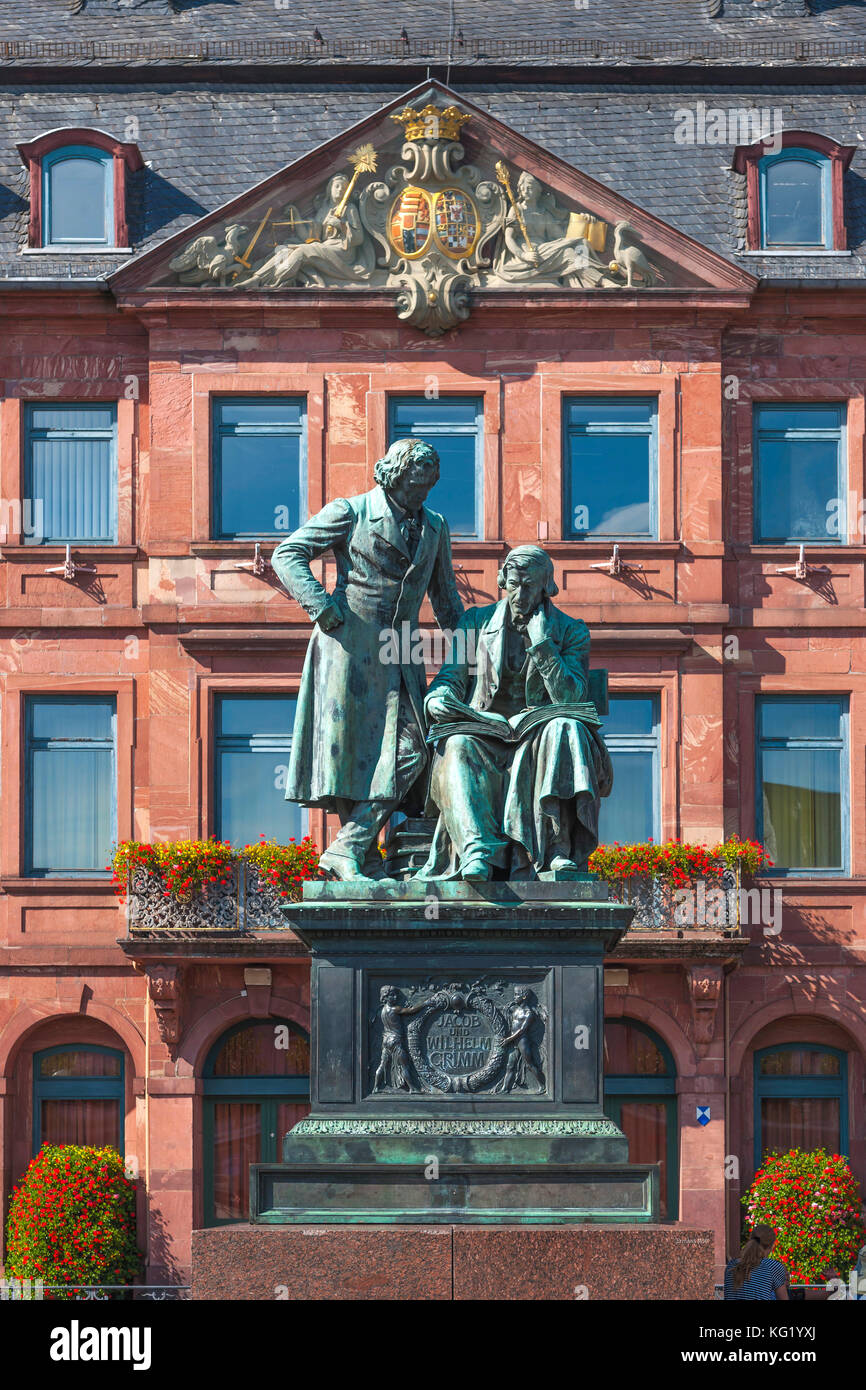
[(795, 200), (78, 190), (78, 198), (795, 195)]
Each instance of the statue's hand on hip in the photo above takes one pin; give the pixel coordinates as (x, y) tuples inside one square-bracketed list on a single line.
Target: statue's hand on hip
[(330, 617)]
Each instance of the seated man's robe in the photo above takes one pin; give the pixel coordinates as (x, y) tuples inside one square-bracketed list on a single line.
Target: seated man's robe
[(517, 806)]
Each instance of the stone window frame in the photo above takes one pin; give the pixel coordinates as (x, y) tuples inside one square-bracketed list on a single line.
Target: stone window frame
[(409, 382), (32, 745), (79, 1088), (219, 743), (13, 854), (125, 157), (778, 408), (221, 431), (664, 388), (624, 1087), (625, 677), (747, 160), (204, 733), (641, 742), (651, 433), (750, 687), (266, 1092), (79, 433), (800, 1088), (13, 465), (741, 514), (207, 387), (477, 433), (796, 691)]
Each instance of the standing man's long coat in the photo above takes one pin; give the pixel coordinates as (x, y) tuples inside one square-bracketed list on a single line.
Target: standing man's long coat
[(345, 732)]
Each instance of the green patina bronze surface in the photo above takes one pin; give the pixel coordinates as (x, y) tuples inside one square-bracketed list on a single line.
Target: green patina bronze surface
[(457, 1017), (520, 765)]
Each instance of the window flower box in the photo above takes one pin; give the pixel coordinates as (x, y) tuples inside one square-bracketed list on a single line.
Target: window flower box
[(677, 886), (192, 886)]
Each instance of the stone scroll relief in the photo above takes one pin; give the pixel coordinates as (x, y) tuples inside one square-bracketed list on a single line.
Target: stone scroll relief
[(483, 1037), (431, 228)]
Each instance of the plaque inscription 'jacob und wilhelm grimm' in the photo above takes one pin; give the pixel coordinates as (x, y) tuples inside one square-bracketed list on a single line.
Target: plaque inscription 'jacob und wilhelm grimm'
[(458, 1038)]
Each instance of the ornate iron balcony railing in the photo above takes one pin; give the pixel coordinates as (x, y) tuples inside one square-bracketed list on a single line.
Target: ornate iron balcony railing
[(247, 903)]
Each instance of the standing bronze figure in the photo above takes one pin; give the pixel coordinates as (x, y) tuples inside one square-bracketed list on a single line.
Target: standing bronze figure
[(359, 738)]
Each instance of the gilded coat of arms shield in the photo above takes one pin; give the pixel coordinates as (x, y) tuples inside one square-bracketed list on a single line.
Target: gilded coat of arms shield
[(455, 223), (410, 222)]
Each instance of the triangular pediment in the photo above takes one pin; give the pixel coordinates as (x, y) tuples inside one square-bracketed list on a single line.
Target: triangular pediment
[(432, 201)]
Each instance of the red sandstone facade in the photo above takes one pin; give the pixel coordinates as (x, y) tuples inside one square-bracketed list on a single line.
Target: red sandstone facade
[(168, 620)]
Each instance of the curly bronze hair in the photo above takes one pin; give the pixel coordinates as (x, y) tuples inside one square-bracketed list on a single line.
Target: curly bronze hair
[(402, 453)]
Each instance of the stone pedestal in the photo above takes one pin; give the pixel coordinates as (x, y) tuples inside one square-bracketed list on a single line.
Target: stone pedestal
[(457, 1034), (437, 1262)]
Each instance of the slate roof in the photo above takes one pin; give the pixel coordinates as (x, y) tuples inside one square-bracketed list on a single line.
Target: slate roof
[(206, 137), (204, 145), (559, 32)]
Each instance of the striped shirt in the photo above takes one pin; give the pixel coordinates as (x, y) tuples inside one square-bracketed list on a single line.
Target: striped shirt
[(761, 1284)]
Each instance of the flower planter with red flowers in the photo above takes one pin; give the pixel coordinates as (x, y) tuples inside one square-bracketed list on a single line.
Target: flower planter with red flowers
[(676, 885), (72, 1221), (274, 875), (812, 1201), (182, 887)]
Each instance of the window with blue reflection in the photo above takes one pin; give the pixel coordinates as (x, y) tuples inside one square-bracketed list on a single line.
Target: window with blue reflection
[(454, 426), (259, 467), (70, 474), (252, 745), (802, 781), (78, 197), (799, 474), (632, 812), (795, 200), (70, 796), (610, 468)]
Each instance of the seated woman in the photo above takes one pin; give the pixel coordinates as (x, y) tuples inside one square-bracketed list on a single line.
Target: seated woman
[(554, 256), (339, 251)]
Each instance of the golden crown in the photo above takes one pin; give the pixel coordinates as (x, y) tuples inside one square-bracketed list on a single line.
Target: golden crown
[(432, 123)]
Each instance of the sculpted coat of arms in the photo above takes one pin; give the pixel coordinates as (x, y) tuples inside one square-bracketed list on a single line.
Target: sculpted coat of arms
[(432, 228)]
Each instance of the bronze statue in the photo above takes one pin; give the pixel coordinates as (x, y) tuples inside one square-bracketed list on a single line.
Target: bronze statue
[(520, 765), (359, 739)]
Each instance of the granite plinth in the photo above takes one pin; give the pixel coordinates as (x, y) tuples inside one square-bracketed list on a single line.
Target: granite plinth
[(321, 1262), (592, 1262), (538, 1262)]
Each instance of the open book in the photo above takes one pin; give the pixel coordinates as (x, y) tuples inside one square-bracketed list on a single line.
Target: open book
[(484, 724)]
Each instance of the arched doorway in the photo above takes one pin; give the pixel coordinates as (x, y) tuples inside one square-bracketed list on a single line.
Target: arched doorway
[(256, 1087), (640, 1084)]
